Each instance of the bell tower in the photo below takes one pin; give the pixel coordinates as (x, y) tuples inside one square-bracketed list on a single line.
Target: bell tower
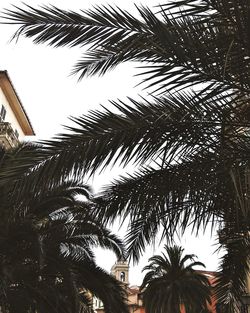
[(121, 270)]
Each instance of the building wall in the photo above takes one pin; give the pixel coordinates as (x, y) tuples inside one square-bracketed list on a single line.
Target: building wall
[(10, 116), (136, 310), (97, 304), (135, 303)]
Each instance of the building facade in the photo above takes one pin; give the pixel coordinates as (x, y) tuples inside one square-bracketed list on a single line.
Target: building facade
[(14, 121)]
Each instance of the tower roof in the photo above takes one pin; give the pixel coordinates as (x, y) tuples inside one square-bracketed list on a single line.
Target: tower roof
[(120, 264)]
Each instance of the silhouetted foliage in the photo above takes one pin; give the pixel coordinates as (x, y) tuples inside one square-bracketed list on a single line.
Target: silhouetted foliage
[(171, 285), (190, 139), (47, 238)]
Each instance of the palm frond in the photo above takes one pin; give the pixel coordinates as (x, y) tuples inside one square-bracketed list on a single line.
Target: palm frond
[(180, 52), (105, 287), (169, 128), (231, 283), (169, 275), (17, 161), (189, 7), (54, 234), (170, 197), (59, 27), (100, 61)]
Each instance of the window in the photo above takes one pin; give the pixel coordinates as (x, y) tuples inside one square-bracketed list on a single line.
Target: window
[(122, 276), (2, 113), (16, 134), (100, 304)]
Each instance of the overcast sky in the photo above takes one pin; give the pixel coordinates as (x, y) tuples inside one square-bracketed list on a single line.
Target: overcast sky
[(41, 77)]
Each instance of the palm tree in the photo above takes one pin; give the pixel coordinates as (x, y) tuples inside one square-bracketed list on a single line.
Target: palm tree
[(47, 262), (190, 138), (171, 286)]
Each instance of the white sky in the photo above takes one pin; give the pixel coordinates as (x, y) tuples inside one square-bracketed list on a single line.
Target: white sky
[(41, 77)]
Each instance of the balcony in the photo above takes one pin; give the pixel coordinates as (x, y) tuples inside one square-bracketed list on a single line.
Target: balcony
[(8, 138)]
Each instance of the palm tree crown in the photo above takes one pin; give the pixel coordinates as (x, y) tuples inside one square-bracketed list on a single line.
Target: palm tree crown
[(170, 285), (47, 238)]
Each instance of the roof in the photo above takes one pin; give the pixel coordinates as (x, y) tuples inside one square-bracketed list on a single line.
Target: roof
[(15, 103), (134, 290), (208, 273)]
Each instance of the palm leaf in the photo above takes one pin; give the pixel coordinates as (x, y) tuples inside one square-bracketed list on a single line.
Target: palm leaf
[(59, 27), (186, 50), (231, 278), (173, 198), (169, 129)]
